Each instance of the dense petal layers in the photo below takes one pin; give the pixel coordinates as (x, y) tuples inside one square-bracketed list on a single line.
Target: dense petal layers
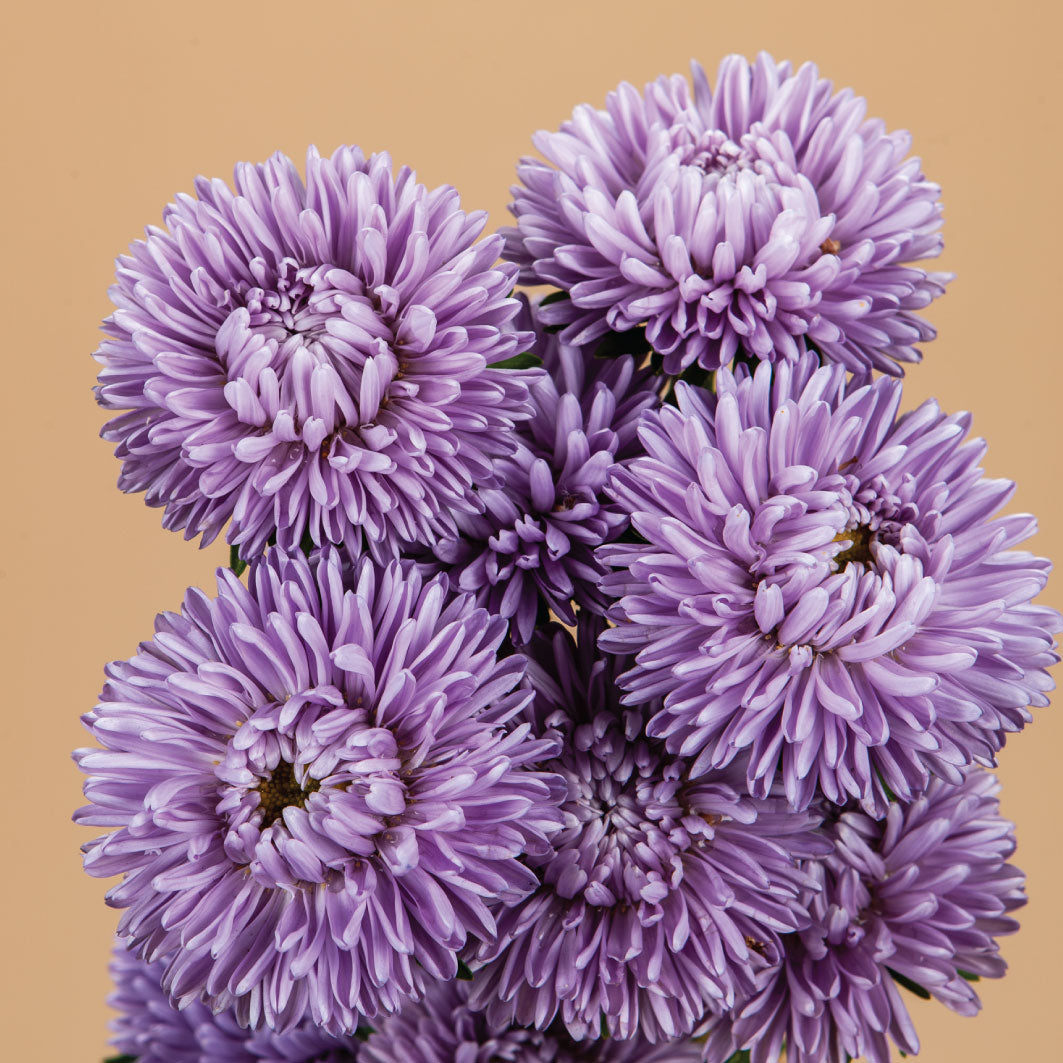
[(151, 1030), (442, 1028), (319, 790), (919, 897), (532, 546), (822, 587), (312, 359), (763, 217), (665, 894)]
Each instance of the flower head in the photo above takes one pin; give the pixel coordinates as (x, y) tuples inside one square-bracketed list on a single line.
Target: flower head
[(762, 217), (533, 544), (918, 897), (150, 1029), (822, 587), (319, 791), (312, 359), (442, 1028), (665, 894)]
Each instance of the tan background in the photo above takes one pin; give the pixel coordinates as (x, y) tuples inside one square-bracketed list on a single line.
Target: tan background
[(109, 109)]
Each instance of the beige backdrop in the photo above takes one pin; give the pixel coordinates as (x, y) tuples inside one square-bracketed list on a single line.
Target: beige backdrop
[(109, 109)]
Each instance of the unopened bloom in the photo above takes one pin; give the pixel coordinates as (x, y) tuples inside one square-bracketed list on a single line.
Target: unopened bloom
[(532, 547), (666, 894), (822, 587), (920, 896), (763, 217), (319, 790), (312, 359)]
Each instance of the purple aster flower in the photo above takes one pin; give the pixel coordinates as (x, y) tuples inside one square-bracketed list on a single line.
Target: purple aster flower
[(442, 1028), (319, 791), (665, 895), (533, 544), (761, 218), (918, 897), (822, 587), (312, 359), (152, 1030)]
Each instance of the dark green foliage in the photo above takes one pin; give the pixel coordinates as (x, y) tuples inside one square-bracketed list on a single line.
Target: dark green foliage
[(907, 983), (553, 297), (615, 344), (527, 360)]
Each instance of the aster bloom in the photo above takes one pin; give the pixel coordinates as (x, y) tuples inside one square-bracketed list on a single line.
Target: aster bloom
[(319, 791), (921, 895), (761, 218), (311, 359), (150, 1029), (442, 1028), (665, 894), (533, 544), (822, 587)]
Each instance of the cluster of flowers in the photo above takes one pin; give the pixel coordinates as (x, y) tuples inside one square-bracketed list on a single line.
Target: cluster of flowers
[(614, 676)]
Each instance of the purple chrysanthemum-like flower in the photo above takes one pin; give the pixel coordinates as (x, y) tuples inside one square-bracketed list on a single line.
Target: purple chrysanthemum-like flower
[(534, 542), (822, 588), (763, 217), (319, 791), (923, 893), (665, 895), (150, 1029), (442, 1028), (312, 359)]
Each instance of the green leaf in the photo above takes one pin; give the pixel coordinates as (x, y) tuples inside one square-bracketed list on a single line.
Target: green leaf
[(363, 1033), (604, 1028), (553, 297), (307, 544), (464, 974), (238, 567), (968, 977), (527, 360), (698, 377), (741, 1056), (120, 1059), (890, 795), (907, 983)]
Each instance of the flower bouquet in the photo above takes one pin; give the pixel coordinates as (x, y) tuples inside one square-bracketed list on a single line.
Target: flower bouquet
[(607, 670)]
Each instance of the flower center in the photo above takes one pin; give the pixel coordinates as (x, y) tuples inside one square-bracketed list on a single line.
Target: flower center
[(310, 355), (293, 309), (859, 552), (627, 822), (282, 790), (713, 153)]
